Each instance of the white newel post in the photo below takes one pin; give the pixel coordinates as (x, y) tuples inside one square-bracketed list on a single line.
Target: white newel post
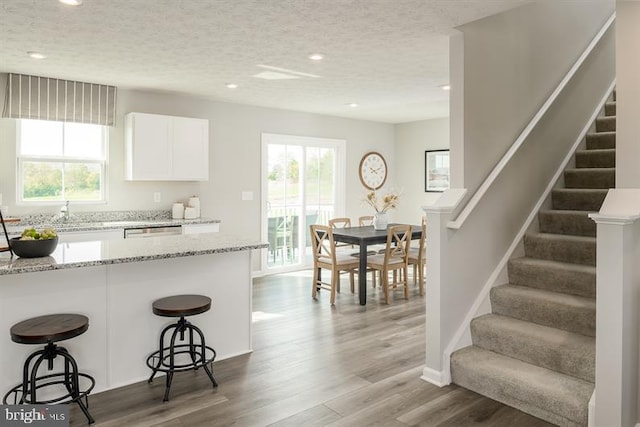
[(617, 309), (438, 267)]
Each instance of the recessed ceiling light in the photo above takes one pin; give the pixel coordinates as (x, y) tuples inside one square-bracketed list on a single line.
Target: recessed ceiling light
[(232, 85), (316, 57), (352, 105), (445, 87), (36, 55), (71, 2)]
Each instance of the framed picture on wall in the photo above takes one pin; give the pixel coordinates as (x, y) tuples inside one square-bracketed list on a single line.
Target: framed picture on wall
[(436, 170)]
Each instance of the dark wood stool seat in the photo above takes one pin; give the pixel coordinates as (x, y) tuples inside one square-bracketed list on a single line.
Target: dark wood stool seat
[(181, 305), (48, 330), (170, 356)]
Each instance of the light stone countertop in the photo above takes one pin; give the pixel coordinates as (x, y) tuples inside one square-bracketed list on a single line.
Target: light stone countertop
[(104, 252), (14, 229)]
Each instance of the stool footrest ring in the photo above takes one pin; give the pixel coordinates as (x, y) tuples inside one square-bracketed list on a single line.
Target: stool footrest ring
[(154, 362), (54, 379)]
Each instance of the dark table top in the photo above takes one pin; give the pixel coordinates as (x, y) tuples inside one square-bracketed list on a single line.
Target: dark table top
[(367, 234)]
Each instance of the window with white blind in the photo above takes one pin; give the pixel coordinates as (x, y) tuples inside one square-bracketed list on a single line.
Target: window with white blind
[(59, 161)]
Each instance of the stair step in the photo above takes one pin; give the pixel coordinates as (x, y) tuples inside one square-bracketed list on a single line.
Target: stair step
[(554, 397), (601, 140), (590, 178), (581, 199), (551, 348), (576, 223), (610, 108), (602, 158), (573, 279), (560, 247), (562, 311), (606, 124)]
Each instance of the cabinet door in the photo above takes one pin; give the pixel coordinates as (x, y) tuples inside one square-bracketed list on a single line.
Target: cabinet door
[(148, 142), (190, 149), (200, 228), (88, 236)]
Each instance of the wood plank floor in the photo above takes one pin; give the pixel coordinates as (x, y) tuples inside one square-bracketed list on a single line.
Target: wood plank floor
[(312, 365)]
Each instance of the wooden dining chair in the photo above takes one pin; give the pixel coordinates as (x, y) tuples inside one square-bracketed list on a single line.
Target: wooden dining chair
[(394, 260), (365, 220), (341, 223), (325, 256), (417, 257)]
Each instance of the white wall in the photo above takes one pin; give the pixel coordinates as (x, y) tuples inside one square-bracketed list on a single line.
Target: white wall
[(235, 138), (411, 141), (628, 94), (512, 63)]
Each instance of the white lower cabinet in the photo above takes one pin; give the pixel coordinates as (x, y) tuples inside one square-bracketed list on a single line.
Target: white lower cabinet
[(86, 236), (200, 228)]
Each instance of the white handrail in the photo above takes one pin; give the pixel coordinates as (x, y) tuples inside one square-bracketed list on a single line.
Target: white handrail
[(477, 196)]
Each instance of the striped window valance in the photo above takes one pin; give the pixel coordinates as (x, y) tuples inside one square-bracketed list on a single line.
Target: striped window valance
[(43, 98)]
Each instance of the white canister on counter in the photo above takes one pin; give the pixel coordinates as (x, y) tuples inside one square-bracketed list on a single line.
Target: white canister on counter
[(177, 212), (190, 213), (194, 202)]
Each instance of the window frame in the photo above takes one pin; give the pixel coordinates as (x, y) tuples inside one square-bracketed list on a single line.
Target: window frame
[(21, 159)]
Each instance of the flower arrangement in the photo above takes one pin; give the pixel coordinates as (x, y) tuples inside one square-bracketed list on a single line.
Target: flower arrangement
[(382, 205)]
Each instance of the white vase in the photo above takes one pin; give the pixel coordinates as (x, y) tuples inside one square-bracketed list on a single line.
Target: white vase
[(380, 221)]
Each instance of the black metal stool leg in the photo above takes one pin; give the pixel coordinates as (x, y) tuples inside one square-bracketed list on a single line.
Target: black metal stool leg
[(74, 384), (172, 346), (203, 355), (156, 368), (26, 377), (192, 347)]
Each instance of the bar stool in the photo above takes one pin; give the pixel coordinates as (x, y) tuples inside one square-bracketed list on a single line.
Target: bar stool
[(200, 355), (48, 330)]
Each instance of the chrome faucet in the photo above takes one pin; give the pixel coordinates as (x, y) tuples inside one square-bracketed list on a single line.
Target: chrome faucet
[(64, 212)]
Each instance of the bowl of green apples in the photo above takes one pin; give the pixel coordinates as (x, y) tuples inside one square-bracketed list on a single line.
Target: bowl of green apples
[(35, 244)]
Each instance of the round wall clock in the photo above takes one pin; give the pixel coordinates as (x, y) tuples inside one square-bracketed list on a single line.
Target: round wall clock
[(373, 170)]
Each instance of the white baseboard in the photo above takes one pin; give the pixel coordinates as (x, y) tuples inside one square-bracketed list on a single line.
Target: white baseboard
[(434, 377), (591, 411)]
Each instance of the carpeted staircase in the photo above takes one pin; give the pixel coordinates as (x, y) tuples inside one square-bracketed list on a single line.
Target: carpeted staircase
[(536, 350)]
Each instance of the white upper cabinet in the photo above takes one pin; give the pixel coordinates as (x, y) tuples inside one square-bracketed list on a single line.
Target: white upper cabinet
[(166, 148)]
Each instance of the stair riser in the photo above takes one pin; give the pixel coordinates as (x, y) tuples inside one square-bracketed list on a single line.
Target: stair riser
[(547, 313), (605, 124), (577, 361), (597, 141), (596, 159), (590, 178), (610, 109), (568, 224), (578, 200), (552, 279), (574, 251)]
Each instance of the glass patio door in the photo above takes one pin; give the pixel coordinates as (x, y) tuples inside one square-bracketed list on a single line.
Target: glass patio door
[(302, 185)]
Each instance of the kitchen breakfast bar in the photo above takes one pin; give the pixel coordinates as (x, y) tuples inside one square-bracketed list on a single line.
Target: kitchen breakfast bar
[(113, 283)]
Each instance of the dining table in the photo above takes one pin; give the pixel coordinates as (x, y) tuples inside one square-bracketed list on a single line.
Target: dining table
[(364, 236)]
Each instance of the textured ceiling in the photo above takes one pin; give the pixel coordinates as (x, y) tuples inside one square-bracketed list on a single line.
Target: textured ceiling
[(389, 56)]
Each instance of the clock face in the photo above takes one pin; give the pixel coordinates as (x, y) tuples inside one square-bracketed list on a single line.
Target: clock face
[(373, 170)]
